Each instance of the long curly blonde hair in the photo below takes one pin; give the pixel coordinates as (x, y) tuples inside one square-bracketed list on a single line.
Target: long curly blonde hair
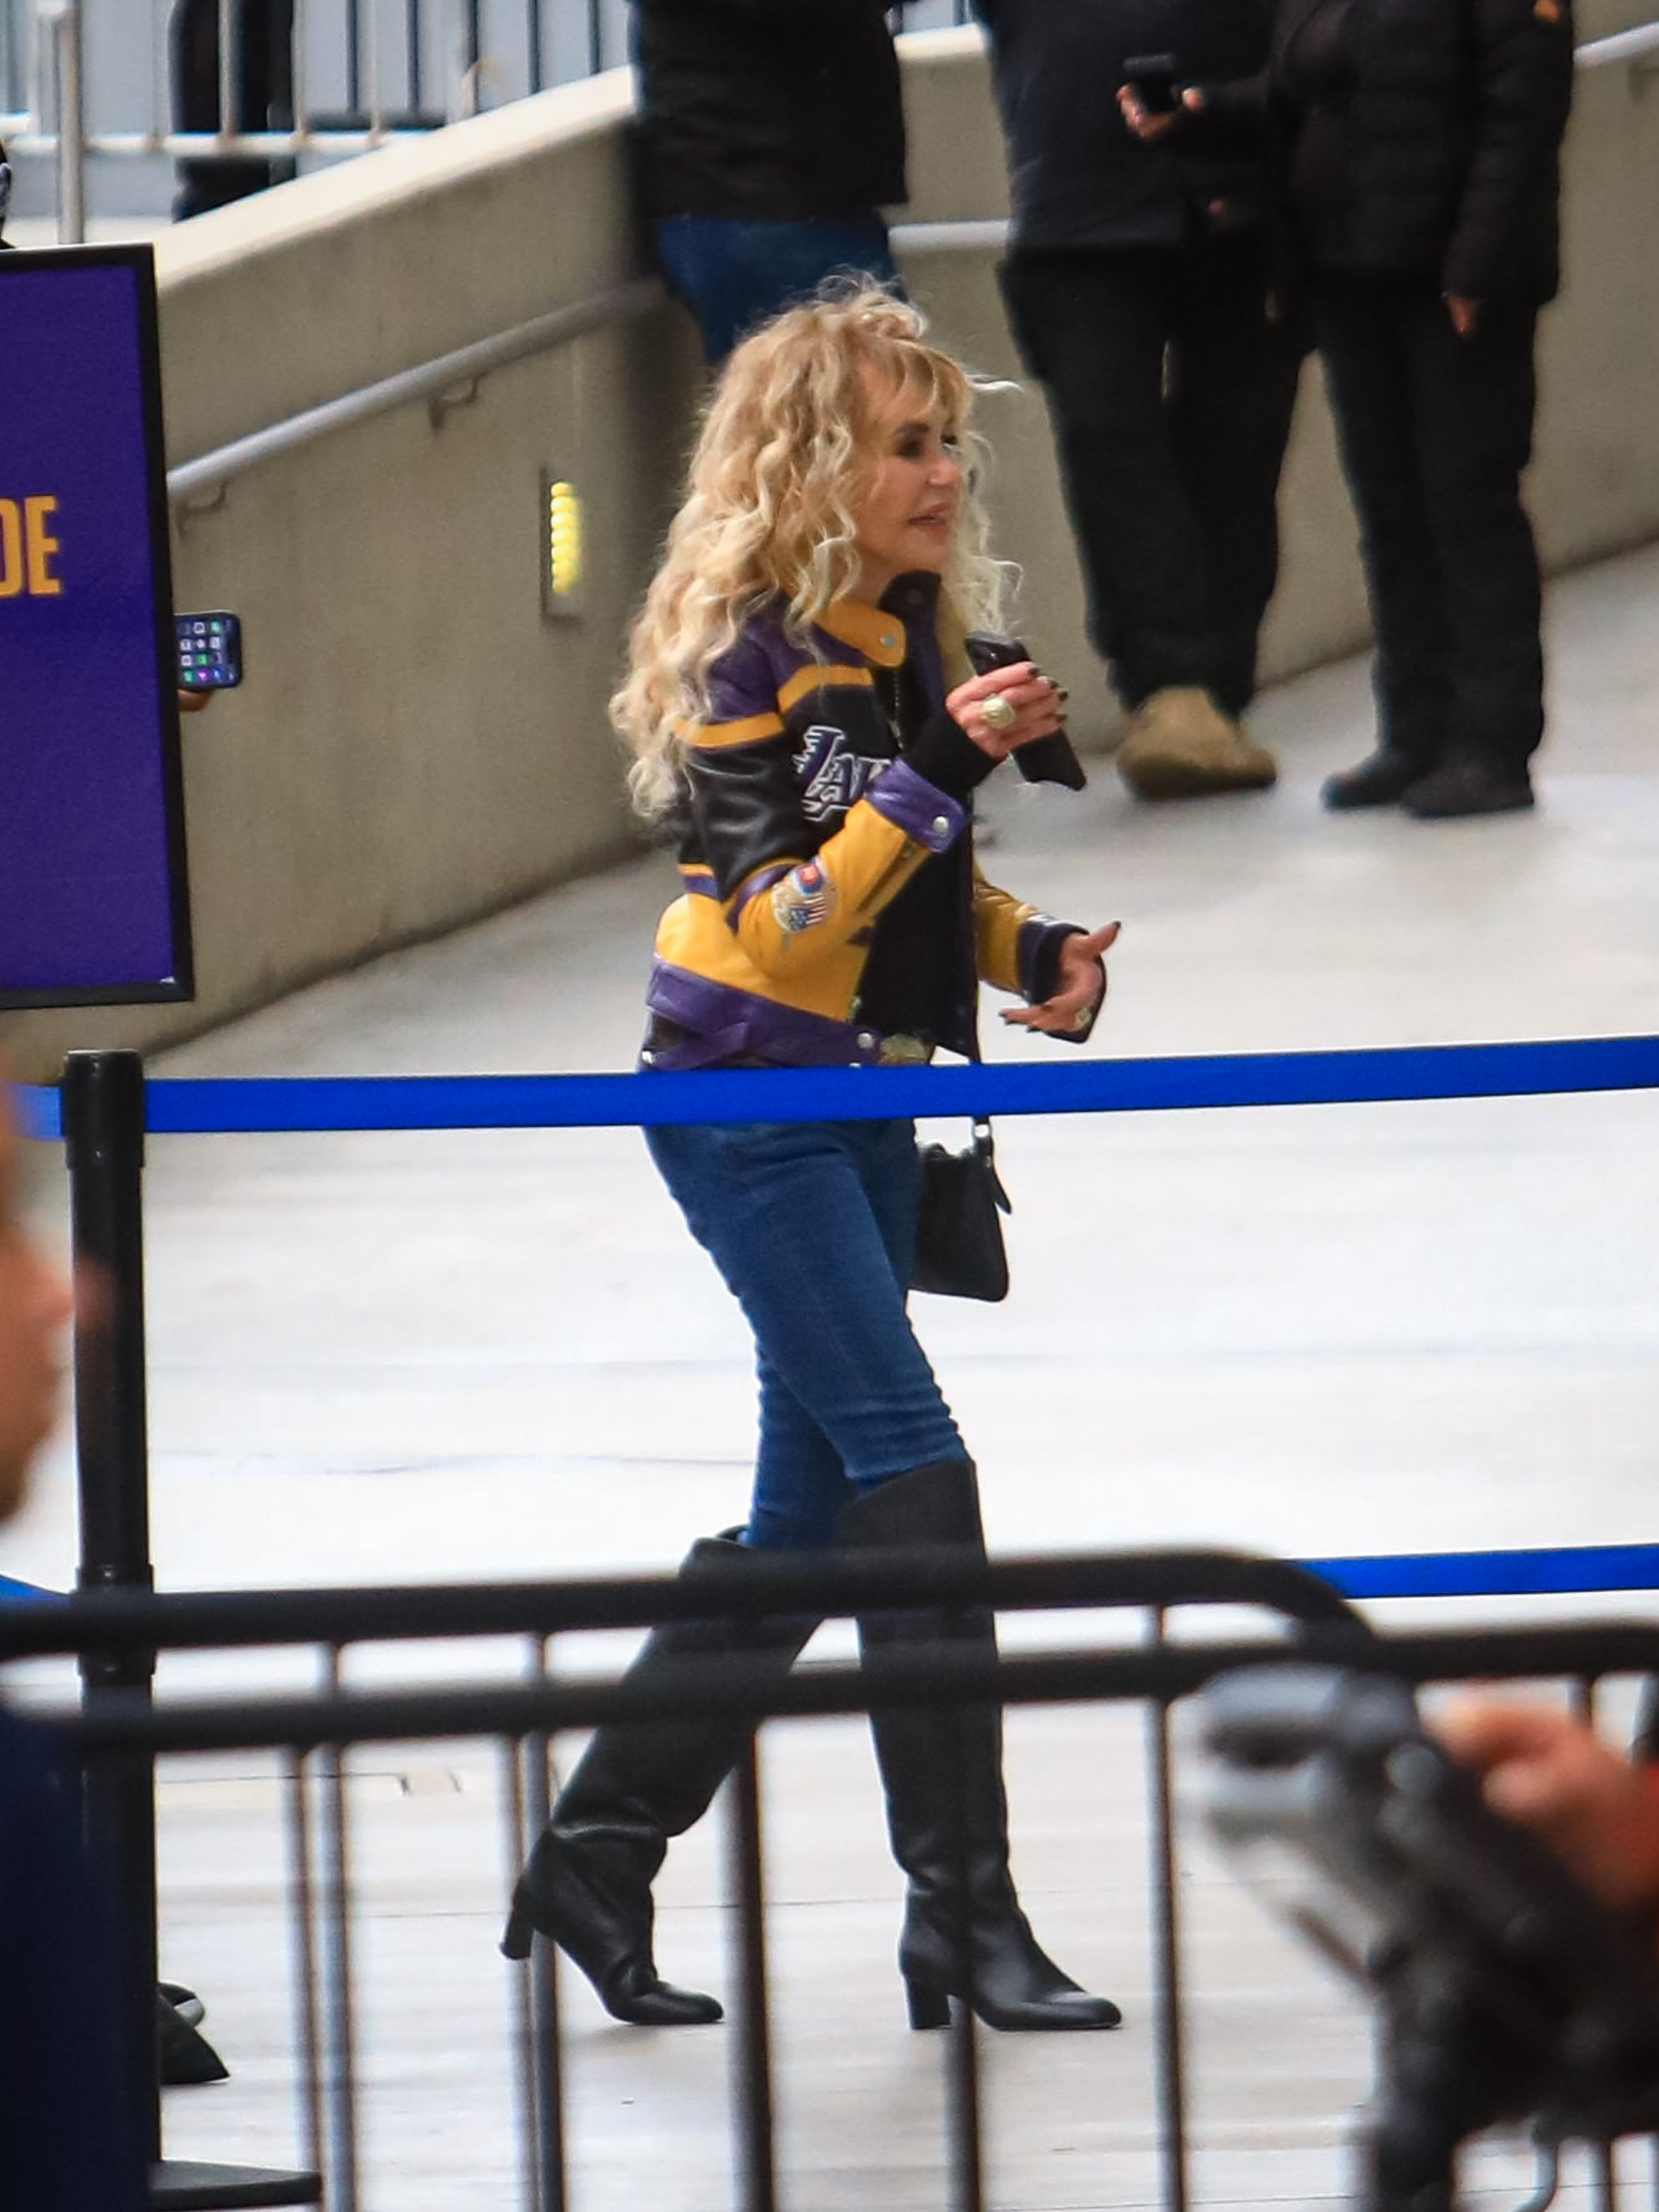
[(783, 457)]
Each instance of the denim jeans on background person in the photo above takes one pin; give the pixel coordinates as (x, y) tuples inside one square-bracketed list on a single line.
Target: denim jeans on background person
[(813, 1225), (736, 274)]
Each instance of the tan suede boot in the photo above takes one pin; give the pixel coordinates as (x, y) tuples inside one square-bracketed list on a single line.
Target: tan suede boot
[(1180, 746)]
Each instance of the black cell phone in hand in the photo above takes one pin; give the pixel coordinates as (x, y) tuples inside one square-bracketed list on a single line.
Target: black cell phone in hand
[(209, 652), (1155, 81), (1045, 760)]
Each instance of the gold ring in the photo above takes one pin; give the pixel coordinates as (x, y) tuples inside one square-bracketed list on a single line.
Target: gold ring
[(997, 714)]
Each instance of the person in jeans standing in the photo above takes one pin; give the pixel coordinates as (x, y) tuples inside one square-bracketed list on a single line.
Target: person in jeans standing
[(771, 137), (799, 717), (1137, 289), (1416, 153)]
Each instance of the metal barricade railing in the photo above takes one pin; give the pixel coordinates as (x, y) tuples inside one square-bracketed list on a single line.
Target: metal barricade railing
[(313, 1734), (118, 1633), (363, 74)]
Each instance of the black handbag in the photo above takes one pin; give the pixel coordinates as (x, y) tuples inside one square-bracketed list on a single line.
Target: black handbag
[(959, 1249)]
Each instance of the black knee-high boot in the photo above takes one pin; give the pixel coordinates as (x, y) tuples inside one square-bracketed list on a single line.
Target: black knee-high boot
[(964, 1933), (587, 1886)]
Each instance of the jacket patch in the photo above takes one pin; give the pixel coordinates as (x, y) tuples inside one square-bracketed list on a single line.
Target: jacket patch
[(805, 898), (833, 777)]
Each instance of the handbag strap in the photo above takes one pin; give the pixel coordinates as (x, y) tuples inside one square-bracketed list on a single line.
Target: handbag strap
[(985, 1150)]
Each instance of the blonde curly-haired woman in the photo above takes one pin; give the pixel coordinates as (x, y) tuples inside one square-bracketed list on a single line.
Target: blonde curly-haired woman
[(792, 721)]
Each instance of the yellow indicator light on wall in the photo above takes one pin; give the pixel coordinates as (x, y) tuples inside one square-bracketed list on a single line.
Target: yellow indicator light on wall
[(562, 573)]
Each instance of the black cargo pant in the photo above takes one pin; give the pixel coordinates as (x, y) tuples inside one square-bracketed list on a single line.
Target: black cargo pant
[(264, 94), (1434, 432), (1170, 390)]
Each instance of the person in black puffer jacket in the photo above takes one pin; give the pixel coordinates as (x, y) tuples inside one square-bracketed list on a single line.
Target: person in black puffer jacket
[(1136, 285), (1415, 146), (771, 137)]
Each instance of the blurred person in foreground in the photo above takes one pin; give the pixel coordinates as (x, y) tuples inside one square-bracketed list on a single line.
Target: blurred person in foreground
[(771, 137), (803, 717), (68, 2139), (1414, 146)]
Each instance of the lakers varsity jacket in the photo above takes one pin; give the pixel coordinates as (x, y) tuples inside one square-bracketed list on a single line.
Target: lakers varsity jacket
[(830, 910)]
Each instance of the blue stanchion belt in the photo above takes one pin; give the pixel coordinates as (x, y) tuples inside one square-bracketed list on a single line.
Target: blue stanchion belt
[(1573, 1569), (16, 1593), (218, 1105), (1577, 1567)]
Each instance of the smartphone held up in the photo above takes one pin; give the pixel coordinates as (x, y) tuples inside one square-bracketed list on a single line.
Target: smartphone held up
[(1045, 760)]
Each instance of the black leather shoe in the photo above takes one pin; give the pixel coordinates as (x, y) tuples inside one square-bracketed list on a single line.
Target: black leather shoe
[(184, 2057), (1377, 781), (1468, 785)]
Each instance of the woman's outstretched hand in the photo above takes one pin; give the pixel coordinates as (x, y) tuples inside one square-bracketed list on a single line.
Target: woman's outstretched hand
[(1037, 705), (1082, 986)]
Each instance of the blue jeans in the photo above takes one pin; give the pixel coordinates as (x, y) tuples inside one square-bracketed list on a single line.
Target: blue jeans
[(735, 275), (813, 1225)]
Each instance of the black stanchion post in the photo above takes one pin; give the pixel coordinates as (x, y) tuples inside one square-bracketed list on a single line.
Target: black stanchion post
[(104, 1137), (103, 1100)]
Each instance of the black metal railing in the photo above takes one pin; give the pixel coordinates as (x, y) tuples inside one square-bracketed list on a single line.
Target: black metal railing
[(122, 1731)]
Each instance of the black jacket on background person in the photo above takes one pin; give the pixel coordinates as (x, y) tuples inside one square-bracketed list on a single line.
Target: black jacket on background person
[(785, 111), (1445, 144), (1413, 151), (1077, 176)]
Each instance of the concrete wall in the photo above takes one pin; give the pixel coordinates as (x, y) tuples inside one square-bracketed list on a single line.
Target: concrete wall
[(415, 744)]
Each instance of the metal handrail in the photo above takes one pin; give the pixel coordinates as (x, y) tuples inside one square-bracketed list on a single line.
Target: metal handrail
[(1618, 46), (196, 145), (433, 382)]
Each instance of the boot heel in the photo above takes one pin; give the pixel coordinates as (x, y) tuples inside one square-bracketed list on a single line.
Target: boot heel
[(519, 1935), (928, 2007)]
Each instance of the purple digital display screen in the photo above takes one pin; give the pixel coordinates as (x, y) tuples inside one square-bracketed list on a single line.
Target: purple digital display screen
[(92, 891)]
